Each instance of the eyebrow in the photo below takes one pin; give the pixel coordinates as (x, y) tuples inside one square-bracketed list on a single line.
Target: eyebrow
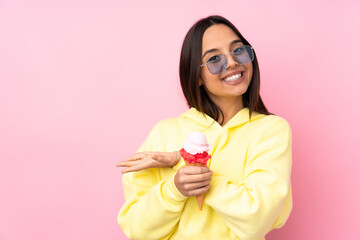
[(214, 49)]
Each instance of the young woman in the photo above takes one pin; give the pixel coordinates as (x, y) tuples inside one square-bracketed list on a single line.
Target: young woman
[(247, 182)]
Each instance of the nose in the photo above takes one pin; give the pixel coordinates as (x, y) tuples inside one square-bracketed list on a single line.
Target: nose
[(231, 61)]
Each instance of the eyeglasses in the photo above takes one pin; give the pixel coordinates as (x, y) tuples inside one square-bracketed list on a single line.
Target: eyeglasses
[(218, 63)]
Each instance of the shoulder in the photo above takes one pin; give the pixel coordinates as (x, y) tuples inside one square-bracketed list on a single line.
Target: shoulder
[(270, 121), (167, 135), (159, 135), (272, 127), (168, 123), (172, 124)]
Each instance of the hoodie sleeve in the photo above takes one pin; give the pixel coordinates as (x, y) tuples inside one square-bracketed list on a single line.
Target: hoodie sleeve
[(262, 200), (153, 206)]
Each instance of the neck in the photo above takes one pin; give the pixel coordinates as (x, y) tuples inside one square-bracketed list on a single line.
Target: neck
[(229, 107)]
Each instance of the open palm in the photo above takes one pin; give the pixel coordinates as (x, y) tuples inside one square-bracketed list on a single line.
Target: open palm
[(144, 160)]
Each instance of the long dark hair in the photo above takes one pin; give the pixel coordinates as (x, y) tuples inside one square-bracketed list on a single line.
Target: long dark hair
[(189, 70)]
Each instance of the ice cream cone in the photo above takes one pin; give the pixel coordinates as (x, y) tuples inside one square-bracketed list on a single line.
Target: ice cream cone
[(199, 198), (195, 153)]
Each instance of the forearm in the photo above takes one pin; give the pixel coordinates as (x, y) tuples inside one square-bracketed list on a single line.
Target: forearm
[(153, 213), (249, 210)]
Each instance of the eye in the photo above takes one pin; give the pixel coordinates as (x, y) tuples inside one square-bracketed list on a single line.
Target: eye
[(239, 50), (215, 58)]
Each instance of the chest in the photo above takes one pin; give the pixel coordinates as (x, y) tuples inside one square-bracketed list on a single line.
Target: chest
[(230, 151)]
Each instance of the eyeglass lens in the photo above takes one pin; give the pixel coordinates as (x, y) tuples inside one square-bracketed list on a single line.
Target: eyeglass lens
[(241, 55)]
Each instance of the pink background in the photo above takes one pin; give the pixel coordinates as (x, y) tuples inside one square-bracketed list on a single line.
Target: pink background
[(83, 82)]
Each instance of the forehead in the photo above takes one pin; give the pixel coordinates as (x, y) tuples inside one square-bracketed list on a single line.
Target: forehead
[(218, 36)]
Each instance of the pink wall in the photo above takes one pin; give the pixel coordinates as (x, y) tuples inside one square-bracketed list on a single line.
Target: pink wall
[(83, 82)]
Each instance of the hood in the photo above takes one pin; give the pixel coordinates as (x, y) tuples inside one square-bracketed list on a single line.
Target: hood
[(240, 118)]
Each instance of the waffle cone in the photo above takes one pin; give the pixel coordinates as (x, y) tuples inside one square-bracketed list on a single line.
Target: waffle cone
[(199, 198)]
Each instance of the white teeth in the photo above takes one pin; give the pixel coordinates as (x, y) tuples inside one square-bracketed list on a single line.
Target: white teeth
[(233, 77)]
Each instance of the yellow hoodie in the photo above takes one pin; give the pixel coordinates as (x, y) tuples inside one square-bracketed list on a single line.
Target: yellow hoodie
[(250, 190)]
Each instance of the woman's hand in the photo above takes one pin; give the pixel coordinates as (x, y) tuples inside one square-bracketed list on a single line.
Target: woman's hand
[(193, 180), (144, 160)]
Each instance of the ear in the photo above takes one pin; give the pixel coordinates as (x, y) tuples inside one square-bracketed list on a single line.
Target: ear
[(200, 82)]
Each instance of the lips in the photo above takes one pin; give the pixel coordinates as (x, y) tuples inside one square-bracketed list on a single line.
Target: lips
[(233, 73)]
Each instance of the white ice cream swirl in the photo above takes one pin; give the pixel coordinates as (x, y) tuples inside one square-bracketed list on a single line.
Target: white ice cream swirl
[(195, 143)]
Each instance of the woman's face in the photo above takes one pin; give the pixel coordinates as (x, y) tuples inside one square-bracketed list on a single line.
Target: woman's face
[(219, 86)]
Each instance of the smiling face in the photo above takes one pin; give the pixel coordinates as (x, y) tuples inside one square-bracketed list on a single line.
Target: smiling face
[(219, 86)]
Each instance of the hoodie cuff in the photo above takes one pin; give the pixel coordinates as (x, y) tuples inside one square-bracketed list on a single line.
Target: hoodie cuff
[(179, 165), (172, 191)]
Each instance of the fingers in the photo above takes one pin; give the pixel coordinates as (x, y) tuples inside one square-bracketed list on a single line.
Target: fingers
[(192, 189), (196, 185), (195, 170), (199, 191), (124, 164), (140, 161), (192, 181), (196, 174), (136, 156), (144, 160), (136, 167), (197, 177), (127, 162)]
